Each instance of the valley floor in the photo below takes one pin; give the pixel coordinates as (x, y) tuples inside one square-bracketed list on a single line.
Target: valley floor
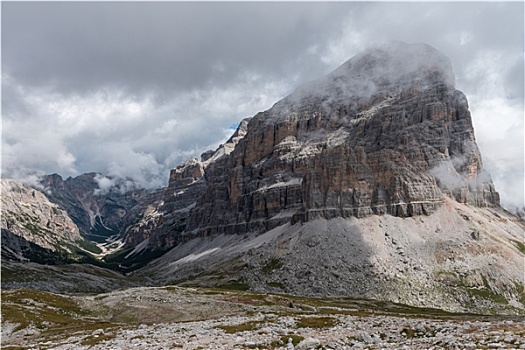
[(190, 318)]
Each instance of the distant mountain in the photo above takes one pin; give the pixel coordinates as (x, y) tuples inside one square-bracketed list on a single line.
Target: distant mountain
[(42, 247), (98, 213), (35, 229)]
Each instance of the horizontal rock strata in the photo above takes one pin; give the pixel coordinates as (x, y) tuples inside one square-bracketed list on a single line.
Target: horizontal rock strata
[(385, 133)]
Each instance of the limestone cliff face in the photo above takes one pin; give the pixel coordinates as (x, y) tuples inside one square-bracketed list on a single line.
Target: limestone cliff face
[(30, 220), (385, 133)]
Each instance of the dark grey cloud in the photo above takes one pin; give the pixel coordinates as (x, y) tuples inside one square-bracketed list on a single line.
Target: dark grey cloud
[(165, 45), (134, 88)]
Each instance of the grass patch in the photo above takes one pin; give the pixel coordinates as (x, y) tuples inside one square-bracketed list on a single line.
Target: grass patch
[(446, 273), (521, 292), (125, 318), (296, 339), (316, 322), (243, 327), (234, 285), (118, 261), (25, 296), (486, 293), (54, 315), (16, 316), (93, 340), (84, 327), (276, 285), (366, 307), (409, 332), (89, 246), (25, 307), (519, 245), (34, 229), (182, 280)]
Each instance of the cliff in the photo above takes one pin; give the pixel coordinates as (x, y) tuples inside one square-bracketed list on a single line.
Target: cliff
[(385, 133)]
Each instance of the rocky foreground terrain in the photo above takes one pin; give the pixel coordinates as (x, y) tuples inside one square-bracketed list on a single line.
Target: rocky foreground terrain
[(189, 318)]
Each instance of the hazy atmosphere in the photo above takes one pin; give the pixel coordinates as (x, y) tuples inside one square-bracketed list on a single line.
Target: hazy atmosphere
[(131, 89)]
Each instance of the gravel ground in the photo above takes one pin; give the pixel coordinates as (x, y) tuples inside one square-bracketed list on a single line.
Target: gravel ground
[(185, 318), (348, 332)]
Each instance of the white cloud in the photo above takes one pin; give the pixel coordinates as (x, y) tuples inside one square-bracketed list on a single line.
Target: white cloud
[(465, 38), (104, 184), (498, 118), (499, 126), (121, 136)]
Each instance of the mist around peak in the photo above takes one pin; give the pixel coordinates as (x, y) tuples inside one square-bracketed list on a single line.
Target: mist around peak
[(380, 70)]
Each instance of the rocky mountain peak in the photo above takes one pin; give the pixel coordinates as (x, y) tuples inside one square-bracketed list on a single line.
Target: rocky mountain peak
[(398, 63), (378, 73), (372, 137)]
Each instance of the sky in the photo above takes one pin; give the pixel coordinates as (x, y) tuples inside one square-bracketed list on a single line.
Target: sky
[(132, 89)]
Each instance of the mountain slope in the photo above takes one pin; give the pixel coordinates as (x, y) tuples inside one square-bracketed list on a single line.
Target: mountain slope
[(42, 247), (459, 258)]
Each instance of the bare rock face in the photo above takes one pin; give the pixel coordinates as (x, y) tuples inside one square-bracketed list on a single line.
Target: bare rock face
[(164, 219), (385, 133), (31, 223)]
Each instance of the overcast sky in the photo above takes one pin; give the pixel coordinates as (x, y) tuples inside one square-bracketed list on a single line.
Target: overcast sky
[(133, 89)]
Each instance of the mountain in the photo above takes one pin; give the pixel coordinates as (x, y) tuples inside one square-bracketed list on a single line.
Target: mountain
[(367, 183), (98, 213), (386, 133), (35, 229)]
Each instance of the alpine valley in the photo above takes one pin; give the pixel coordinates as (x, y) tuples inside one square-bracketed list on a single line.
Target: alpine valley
[(366, 184)]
